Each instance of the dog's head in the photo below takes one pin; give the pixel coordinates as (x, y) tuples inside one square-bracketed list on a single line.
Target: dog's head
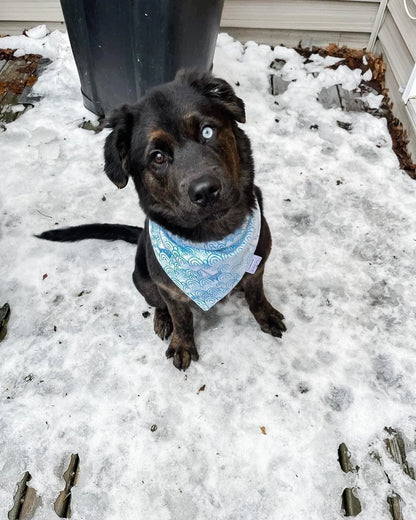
[(190, 162)]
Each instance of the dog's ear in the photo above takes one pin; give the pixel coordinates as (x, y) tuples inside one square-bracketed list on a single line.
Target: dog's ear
[(216, 89), (117, 146)]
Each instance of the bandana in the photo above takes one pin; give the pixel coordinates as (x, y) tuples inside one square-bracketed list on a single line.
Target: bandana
[(207, 271)]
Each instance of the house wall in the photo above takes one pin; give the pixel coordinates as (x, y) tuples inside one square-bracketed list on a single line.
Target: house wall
[(397, 43), (311, 22), (17, 15)]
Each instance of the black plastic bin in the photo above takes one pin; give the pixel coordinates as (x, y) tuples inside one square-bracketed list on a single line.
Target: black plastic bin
[(123, 47)]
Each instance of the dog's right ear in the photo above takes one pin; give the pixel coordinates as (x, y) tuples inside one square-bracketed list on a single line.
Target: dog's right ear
[(117, 146)]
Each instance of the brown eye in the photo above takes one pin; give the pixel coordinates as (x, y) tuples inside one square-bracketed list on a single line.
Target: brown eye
[(159, 158)]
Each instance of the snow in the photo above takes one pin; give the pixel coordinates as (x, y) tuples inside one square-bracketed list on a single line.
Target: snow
[(82, 371), (37, 32)]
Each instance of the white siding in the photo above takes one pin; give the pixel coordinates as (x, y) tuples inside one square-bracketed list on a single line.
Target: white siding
[(292, 38), (316, 15), (33, 10), (395, 50), (399, 108), (397, 43), (405, 25), (309, 22), (312, 22)]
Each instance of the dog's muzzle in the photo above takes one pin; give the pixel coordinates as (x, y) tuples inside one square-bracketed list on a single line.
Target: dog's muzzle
[(205, 190)]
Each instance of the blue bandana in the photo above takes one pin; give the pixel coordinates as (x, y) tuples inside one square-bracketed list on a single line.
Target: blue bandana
[(207, 271)]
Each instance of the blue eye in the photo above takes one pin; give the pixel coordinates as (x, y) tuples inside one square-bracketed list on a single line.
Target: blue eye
[(207, 132)]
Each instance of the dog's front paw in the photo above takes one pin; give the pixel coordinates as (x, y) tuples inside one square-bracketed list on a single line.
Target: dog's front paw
[(182, 355), (162, 323), (272, 323)]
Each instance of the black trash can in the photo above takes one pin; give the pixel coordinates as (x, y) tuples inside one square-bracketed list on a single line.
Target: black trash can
[(123, 47)]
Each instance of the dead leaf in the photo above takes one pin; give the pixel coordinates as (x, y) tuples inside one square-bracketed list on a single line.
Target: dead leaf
[(201, 389), (263, 430), (31, 80)]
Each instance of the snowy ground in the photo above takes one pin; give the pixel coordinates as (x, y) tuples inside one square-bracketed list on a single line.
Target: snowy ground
[(82, 372)]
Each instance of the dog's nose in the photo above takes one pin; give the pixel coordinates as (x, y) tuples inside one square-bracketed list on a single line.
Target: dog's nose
[(204, 190)]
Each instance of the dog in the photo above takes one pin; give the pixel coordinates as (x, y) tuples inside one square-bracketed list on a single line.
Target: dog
[(193, 170)]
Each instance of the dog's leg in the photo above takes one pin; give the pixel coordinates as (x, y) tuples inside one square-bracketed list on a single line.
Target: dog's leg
[(162, 322), (269, 319), (182, 346)]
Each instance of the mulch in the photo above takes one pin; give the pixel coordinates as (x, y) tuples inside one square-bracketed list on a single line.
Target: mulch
[(24, 74), (364, 60)]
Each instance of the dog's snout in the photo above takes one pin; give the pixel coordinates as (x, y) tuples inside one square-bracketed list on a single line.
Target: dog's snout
[(204, 190)]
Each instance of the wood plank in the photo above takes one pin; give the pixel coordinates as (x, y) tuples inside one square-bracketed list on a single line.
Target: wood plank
[(30, 504), (19, 497), (396, 50), (395, 506), (396, 448), (292, 38), (63, 502), (4, 319), (351, 505), (344, 459), (350, 502), (326, 15), (25, 501)]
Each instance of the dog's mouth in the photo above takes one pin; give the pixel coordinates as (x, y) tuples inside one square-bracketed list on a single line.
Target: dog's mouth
[(206, 217), (218, 214)]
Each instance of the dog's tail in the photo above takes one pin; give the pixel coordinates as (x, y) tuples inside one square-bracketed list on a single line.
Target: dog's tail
[(100, 231)]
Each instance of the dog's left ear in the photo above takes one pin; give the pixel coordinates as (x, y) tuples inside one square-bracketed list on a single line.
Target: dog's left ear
[(216, 89), (117, 146)]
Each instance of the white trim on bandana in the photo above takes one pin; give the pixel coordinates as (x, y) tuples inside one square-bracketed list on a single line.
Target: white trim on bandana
[(207, 271)]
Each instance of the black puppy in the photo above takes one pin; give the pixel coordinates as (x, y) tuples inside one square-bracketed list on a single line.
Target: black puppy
[(193, 171)]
